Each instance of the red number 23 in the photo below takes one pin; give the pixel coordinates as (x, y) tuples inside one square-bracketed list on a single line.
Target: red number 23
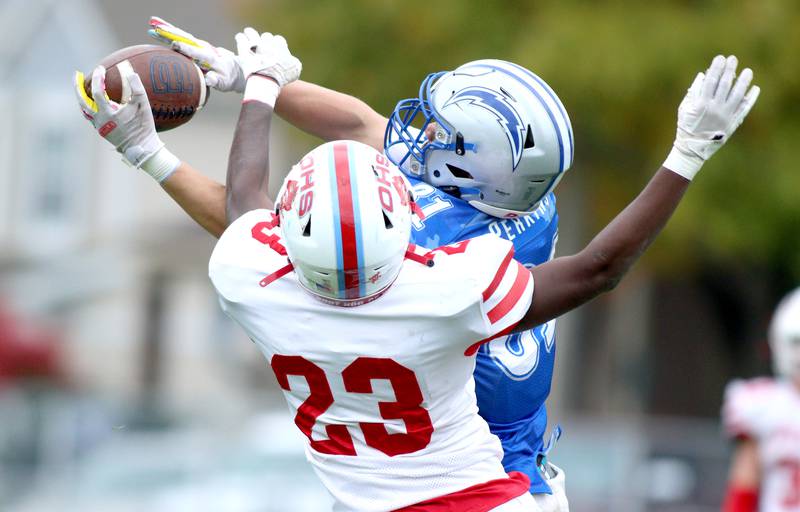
[(357, 378)]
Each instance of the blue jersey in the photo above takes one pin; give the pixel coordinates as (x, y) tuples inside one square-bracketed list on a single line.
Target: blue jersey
[(512, 373)]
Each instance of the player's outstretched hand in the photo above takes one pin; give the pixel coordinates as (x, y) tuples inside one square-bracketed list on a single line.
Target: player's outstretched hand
[(715, 105), (221, 67), (268, 55), (129, 125)]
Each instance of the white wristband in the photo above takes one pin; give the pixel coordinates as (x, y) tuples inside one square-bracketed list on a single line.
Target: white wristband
[(261, 88), (161, 164), (680, 163)]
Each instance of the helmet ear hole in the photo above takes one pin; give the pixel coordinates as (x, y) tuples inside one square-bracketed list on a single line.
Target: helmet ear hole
[(458, 172), (529, 142), (387, 222)]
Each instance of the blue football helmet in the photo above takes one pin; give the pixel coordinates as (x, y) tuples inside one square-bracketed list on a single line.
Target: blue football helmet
[(490, 132)]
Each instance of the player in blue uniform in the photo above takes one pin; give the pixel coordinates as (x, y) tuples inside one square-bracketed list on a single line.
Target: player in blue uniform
[(512, 374), (491, 142), (484, 145)]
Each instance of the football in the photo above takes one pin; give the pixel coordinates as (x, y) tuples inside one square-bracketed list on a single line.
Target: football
[(175, 85)]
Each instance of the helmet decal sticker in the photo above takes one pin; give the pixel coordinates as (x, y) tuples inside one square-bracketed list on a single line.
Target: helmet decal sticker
[(507, 116)]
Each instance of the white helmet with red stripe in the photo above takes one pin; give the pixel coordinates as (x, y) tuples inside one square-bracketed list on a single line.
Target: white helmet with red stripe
[(345, 215), (784, 337)]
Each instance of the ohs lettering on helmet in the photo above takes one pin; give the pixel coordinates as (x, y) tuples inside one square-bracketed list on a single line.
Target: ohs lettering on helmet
[(382, 174), (306, 192)]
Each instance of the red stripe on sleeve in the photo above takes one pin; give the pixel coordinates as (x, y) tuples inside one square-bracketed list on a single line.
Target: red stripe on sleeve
[(475, 346), (347, 222), (499, 275), (513, 295)]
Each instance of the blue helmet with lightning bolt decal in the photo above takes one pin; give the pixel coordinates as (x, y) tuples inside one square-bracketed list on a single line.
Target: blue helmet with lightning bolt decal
[(490, 132)]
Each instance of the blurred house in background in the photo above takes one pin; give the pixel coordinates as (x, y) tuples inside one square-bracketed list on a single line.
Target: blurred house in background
[(94, 252), (89, 245)]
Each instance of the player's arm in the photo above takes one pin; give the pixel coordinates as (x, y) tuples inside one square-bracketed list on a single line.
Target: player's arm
[(744, 479), (267, 65), (709, 114), (202, 198), (322, 112), (331, 115), (130, 128), (248, 163)]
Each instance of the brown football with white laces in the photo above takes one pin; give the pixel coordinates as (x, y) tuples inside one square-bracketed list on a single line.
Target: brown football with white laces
[(175, 85)]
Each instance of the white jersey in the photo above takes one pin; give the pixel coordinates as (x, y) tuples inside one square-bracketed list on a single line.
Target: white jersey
[(383, 391), (768, 411)]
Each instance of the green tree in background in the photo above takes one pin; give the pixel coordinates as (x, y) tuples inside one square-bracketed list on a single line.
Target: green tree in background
[(621, 68)]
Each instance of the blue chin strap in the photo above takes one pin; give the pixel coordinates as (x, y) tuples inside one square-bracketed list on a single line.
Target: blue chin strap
[(400, 131)]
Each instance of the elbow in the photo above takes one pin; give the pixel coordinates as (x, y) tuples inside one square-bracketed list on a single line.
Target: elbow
[(606, 272), (610, 281)]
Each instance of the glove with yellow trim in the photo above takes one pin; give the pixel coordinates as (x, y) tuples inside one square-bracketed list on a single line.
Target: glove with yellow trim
[(221, 67), (128, 126)]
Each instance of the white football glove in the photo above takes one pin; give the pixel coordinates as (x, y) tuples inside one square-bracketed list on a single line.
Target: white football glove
[(709, 114), (128, 126), (265, 56), (221, 66)]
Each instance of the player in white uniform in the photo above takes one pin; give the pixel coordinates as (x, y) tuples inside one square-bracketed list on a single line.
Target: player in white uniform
[(763, 416), (373, 340), (382, 390)]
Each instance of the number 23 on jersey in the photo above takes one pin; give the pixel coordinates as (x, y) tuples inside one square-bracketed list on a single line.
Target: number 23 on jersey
[(357, 378)]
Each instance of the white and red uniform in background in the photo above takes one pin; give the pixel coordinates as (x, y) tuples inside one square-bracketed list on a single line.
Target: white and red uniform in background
[(768, 411), (384, 391)]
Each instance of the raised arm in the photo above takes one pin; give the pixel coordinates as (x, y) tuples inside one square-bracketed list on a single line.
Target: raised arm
[(709, 114), (132, 132), (129, 127), (324, 113), (331, 115), (267, 66), (202, 198)]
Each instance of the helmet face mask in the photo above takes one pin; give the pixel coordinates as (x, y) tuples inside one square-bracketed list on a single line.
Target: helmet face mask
[(502, 137), (345, 216), (784, 337)]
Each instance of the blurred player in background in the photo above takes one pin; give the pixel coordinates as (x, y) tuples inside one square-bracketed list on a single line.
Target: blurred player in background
[(711, 111), (763, 416), (526, 144)]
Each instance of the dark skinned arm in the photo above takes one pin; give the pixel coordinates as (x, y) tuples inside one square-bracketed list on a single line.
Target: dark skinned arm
[(567, 282), (248, 162), (714, 106)]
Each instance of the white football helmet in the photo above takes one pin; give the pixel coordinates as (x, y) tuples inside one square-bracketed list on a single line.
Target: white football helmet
[(345, 216), (501, 142), (784, 337)]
